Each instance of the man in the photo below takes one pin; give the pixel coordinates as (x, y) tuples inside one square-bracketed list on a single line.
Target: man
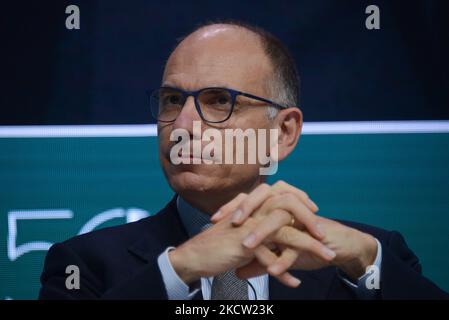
[(227, 234)]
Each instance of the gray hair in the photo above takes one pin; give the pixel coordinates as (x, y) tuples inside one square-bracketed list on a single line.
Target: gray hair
[(281, 92)]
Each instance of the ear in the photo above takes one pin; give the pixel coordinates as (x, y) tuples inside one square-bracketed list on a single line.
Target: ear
[(289, 124)]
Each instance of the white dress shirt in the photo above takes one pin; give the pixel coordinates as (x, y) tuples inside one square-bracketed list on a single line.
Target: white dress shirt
[(196, 221)]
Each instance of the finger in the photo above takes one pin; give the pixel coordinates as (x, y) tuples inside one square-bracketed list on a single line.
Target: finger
[(284, 262), (256, 198), (266, 258), (252, 269), (301, 213), (255, 269), (251, 203), (302, 241), (228, 208), (283, 186), (273, 222)]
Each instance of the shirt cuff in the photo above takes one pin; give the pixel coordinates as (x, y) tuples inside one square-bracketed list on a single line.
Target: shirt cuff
[(361, 288), (175, 287)]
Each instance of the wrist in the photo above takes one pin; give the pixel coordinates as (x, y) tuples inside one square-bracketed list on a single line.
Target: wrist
[(181, 261), (355, 267)]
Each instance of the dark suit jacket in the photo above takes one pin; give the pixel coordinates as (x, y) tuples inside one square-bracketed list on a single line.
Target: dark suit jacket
[(121, 263)]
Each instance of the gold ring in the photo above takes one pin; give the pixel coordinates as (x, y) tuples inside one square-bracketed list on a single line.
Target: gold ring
[(292, 221)]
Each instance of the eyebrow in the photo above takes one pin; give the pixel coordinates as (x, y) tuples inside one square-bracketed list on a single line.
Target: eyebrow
[(247, 100), (213, 85)]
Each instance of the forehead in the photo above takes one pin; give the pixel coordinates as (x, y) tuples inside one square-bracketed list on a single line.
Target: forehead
[(221, 56)]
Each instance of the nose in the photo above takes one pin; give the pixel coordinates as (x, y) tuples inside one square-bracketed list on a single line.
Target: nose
[(187, 116)]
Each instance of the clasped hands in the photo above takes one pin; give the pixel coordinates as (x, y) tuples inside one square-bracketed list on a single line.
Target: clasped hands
[(272, 230)]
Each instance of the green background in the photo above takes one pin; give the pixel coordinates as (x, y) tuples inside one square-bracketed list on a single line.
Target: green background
[(394, 181)]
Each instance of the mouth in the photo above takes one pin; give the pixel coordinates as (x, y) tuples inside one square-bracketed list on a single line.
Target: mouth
[(191, 155), (186, 159)]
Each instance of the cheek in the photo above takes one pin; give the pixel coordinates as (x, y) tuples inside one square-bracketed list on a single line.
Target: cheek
[(258, 122), (163, 140)]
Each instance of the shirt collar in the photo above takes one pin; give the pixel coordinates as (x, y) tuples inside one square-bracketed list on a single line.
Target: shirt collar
[(194, 220)]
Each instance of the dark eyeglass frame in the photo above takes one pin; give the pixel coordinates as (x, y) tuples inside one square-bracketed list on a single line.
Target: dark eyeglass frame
[(233, 93)]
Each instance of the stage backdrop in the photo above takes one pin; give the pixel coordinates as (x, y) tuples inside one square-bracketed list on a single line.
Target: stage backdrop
[(53, 188)]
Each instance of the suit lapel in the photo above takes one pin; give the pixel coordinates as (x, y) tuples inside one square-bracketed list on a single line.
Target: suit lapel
[(162, 230)]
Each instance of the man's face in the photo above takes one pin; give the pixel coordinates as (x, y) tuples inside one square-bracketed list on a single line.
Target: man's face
[(216, 56)]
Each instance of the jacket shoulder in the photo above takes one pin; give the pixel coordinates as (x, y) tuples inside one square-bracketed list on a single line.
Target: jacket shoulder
[(120, 235)]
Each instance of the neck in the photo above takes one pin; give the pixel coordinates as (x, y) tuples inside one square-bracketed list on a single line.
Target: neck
[(210, 201)]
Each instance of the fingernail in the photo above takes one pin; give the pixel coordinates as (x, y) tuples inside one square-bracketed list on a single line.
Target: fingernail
[(313, 204), (249, 240), (217, 215), (237, 216), (320, 230), (295, 282), (328, 252)]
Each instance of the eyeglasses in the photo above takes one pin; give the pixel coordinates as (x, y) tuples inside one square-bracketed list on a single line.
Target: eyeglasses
[(214, 105)]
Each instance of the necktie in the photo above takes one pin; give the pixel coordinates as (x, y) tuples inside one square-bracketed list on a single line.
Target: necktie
[(227, 286)]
